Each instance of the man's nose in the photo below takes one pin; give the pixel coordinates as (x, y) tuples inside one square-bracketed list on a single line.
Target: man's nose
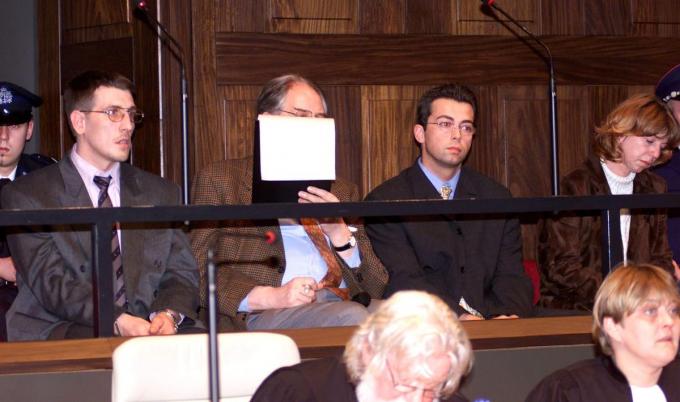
[(4, 132)]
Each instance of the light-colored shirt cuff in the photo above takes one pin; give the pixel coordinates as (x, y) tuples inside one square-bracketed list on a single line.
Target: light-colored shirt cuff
[(353, 261), (243, 307)]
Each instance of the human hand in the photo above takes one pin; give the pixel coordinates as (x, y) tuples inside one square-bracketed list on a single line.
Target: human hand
[(335, 228), (7, 270), (129, 325), (299, 291), (162, 324), (470, 317), (506, 317)]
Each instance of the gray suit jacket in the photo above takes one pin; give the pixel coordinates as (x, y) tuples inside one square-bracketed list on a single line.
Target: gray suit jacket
[(479, 259), (53, 264)]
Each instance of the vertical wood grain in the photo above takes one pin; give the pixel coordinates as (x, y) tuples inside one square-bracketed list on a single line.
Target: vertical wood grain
[(382, 16)]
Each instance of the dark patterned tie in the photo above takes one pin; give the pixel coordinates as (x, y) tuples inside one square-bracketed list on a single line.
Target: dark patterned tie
[(116, 259), (333, 276)]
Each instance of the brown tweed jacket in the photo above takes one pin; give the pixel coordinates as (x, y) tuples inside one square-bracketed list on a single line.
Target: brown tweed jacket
[(244, 263), (570, 248)]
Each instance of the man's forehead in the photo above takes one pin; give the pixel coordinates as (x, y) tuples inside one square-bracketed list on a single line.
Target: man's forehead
[(113, 96)]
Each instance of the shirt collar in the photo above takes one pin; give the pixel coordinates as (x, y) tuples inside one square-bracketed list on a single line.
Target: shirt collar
[(12, 175), (439, 183), (88, 171)]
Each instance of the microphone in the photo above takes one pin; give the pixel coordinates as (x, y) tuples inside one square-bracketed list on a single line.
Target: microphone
[(176, 50), (552, 93)]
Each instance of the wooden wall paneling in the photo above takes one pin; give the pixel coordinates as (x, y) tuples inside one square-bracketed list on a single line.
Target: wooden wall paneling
[(656, 18), (206, 112), (563, 17), (176, 15), (344, 104), (245, 58), (238, 115), (573, 126), (382, 16), (602, 100), (523, 123), (429, 16), (94, 34), (388, 116), (146, 151), (240, 15), (111, 55), (488, 154), (607, 17), (472, 19), (312, 16), (52, 131), (88, 13)]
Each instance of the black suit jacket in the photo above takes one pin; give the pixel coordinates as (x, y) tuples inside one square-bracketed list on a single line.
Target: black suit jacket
[(317, 380), (478, 259), (54, 272)]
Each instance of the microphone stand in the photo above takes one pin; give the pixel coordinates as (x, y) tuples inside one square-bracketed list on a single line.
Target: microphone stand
[(552, 93), (176, 51), (213, 351)]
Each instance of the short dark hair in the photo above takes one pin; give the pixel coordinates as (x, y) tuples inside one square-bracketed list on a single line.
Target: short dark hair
[(272, 94), (80, 90), (457, 92)]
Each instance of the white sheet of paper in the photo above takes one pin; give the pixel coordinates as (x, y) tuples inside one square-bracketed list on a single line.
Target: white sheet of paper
[(296, 148)]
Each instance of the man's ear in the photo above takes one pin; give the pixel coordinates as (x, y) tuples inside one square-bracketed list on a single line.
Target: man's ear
[(419, 133), (29, 130), (77, 119)]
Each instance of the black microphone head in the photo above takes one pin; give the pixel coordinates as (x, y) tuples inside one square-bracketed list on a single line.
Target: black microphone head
[(488, 3)]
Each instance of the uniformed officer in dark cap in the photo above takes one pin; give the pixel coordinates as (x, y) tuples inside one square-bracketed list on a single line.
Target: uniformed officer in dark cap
[(668, 91), (16, 127)]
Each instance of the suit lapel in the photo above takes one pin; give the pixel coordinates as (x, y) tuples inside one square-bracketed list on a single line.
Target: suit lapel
[(132, 240), (75, 195)]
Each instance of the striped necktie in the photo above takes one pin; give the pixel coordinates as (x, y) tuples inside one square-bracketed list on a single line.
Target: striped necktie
[(117, 262), (333, 276)]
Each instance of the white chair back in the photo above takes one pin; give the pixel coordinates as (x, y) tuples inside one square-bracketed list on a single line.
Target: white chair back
[(175, 368)]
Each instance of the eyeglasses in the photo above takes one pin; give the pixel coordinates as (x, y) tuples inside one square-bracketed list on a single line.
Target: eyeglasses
[(428, 393), (116, 114), (467, 129), (304, 113)]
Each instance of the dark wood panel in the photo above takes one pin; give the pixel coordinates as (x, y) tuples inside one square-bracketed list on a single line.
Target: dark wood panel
[(311, 16), (488, 154), (473, 19), (563, 17), (240, 15), (606, 17), (94, 34), (88, 13), (206, 113), (52, 129), (424, 59), (176, 15), (239, 117), (146, 151), (655, 12), (112, 55), (387, 129), (382, 16), (429, 16), (344, 104)]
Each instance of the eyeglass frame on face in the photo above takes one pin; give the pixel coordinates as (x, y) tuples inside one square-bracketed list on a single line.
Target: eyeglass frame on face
[(304, 113), (450, 126), (408, 389), (116, 114)]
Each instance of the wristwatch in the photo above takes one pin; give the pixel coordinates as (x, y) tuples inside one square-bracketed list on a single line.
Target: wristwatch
[(351, 242), (176, 318)]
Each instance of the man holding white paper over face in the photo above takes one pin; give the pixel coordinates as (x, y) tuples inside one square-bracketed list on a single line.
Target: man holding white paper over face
[(287, 273)]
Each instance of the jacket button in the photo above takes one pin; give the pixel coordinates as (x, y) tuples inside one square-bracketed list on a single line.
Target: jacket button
[(462, 269), (281, 270), (360, 277), (82, 268)]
